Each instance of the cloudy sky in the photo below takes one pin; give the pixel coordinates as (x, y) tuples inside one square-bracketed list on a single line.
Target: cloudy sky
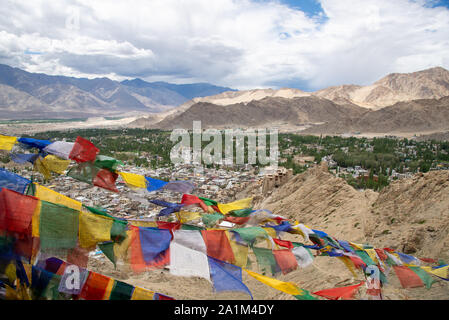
[(306, 44)]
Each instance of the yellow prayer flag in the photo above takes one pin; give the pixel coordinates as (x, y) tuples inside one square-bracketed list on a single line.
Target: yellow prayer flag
[(287, 287), (39, 166), (349, 264), (236, 205), (10, 272), (440, 272), (144, 224), (7, 142), (240, 252), (55, 164), (109, 287), (134, 180), (121, 249), (372, 254), (43, 193), (357, 245), (142, 294), (93, 228), (186, 216), (35, 220)]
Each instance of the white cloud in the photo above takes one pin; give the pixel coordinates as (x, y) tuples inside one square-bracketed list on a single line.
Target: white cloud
[(241, 44)]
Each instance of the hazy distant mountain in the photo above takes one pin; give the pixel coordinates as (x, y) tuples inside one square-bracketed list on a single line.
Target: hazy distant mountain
[(42, 95)]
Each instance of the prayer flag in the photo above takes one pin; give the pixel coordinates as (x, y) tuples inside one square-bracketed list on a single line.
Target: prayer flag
[(83, 150), (7, 142)]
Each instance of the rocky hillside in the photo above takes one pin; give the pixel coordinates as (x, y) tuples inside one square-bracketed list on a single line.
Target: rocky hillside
[(431, 83), (410, 215), (272, 111), (413, 116)]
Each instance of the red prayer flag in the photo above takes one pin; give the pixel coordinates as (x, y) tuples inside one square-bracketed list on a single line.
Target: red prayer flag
[(284, 243), (218, 246), (169, 226), (407, 277), (83, 150), (381, 254), (16, 211), (286, 260), (357, 262), (237, 220), (106, 179), (346, 293), (95, 286), (428, 260), (188, 199)]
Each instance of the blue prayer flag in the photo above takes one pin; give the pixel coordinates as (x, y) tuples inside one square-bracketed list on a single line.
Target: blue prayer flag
[(153, 241)]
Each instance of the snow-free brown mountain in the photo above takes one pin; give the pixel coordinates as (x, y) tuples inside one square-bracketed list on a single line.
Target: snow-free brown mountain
[(408, 103), (274, 111)]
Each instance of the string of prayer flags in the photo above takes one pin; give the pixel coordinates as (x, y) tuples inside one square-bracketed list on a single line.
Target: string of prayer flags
[(7, 142), (227, 277), (83, 150), (346, 293), (13, 181)]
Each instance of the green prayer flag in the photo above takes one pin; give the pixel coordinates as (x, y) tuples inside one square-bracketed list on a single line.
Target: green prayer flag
[(191, 227), (108, 249), (241, 213), (305, 295), (121, 291), (208, 202), (365, 257), (425, 277), (58, 226), (211, 219), (266, 260), (105, 162), (84, 171), (250, 234)]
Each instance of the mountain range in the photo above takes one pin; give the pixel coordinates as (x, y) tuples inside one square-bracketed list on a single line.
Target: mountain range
[(399, 102), (25, 95)]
